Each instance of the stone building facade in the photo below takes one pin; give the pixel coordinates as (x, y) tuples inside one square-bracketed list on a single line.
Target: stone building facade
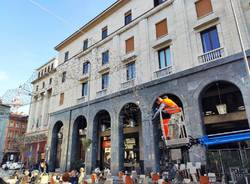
[(4, 117), (38, 124), (110, 73), (14, 140)]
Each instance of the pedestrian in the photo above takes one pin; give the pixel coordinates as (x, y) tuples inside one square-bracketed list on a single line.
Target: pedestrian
[(26, 177), (73, 177), (66, 178), (81, 175), (43, 166)]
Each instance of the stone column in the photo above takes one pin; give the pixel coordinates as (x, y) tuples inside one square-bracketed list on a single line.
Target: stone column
[(44, 111), (117, 146), (246, 97), (148, 143), (194, 127), (32, 114), (90, 158)]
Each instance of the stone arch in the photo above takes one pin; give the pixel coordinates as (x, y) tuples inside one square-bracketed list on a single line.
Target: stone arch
[(225, 98), (78, 151), (55, 152), (162, 153), (130, 133), (101, 140)]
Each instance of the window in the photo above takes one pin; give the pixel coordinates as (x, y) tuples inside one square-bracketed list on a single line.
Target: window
[(84, 89), (39, 74), (85, 44), (48, 68), (104, 32), (105, 57), (130, 45), (45, 70), (128, 17), (63, 77), (85, 67), (105, 80), (66, 56), (131, 71), (61, 99), (161, 28), (43, 84), (158, 2), (203, 8), (50, 81), (37, 88), (52, 66), (164, 58), (210, 39)]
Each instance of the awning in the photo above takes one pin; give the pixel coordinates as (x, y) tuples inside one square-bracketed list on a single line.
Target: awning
[(225, 138)]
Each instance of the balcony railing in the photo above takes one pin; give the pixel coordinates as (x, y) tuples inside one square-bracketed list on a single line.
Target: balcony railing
[(82, 99), (101, 93), (164, 72), (128, 84), (212, 55)]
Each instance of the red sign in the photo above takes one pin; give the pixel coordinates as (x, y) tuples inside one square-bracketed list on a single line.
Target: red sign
[(106, 144)]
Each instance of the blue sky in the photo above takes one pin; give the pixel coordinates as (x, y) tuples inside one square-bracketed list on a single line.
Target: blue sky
[(29, 34)]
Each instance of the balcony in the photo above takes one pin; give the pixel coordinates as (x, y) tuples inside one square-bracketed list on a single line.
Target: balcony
[(84, 77), (101, 93), (82, 99), (211, 56), (164, 72), (128, 84)]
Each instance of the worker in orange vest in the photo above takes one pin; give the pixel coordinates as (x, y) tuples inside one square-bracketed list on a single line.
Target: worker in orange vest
[(166, 107)]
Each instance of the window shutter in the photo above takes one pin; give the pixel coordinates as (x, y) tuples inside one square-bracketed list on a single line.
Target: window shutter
[(161, 28), (61, 98), (203, 8), (130, 45)]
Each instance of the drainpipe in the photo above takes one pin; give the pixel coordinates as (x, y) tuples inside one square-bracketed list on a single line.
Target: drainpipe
[(240, 38)]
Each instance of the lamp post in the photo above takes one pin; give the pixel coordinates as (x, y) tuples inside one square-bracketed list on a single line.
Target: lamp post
[(240, 38)]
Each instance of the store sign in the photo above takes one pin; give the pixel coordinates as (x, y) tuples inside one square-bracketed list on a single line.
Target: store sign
[(106, 144)]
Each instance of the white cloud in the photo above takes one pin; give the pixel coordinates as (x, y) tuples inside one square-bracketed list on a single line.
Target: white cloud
[(3, 76)]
